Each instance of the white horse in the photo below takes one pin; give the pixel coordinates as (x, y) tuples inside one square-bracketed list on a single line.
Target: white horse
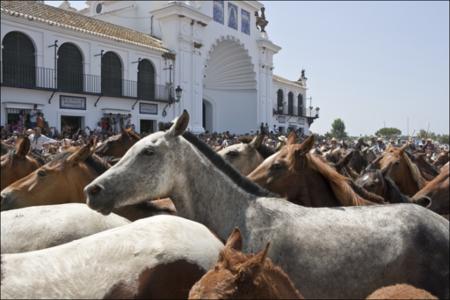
[(341, 252), (157, 257), (39, 227)]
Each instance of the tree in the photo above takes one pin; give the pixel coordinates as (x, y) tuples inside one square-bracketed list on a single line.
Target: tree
[(443, 139), (388, 132), (338, 129)]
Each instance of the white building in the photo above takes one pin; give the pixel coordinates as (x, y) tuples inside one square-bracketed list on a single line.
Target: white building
[(127, 57)]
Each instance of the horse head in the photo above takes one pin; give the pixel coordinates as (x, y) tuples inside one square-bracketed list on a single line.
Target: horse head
[(59, 181)]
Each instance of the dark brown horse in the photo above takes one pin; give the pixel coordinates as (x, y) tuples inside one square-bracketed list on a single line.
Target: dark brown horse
[(62, 181), (438, 191), (17, 163), (305, 179), (403, 171), (117, 145), (441, 159), (244, 276), (427, 170)]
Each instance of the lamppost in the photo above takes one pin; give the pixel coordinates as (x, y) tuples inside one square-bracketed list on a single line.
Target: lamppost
[(310, 119), (178, 92)]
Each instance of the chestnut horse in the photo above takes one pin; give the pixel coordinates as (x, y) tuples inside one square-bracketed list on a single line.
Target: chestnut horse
[(62, 181), (117, 145), (400, 291), (241, 276), (438, 190), (403, 171), (17, 163), (152, 258), (306, 179), (441, 159)]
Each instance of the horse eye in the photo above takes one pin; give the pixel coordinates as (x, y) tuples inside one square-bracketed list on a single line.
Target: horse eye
[(148, 151), (232, 153), (41, 173), (277, 166)]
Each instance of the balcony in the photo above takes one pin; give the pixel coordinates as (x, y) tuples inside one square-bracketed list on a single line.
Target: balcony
[(29, 77), (285, 117)]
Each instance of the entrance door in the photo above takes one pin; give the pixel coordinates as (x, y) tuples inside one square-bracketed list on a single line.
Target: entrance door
[(207, 116), (71, 125), (147, 127)]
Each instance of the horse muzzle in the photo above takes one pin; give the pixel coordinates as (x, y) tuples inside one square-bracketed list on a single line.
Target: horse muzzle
[(96, 200), (7, 201)]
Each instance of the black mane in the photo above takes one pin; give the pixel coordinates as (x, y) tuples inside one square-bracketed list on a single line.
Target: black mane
[(95, 162), (265, 151), (227, 169)]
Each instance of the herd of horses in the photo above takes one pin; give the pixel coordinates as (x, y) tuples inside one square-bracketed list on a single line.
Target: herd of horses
[(169, 217)]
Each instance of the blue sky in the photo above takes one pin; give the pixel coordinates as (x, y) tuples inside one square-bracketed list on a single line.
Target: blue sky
[(370, 63)]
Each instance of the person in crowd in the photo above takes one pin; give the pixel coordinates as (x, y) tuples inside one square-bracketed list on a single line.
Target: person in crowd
[(380, 145), (38, 140), (33, 116)]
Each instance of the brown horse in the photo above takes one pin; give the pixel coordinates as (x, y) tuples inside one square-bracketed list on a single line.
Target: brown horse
[(400, 291), (438, 191), (17, 163), (403, 171), (62, 181), (306, 179), (241, 276), (427, 170), (117, 145)]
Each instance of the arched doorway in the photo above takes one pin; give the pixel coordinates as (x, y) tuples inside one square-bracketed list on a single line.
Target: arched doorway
[(111, 75), (207, 116), (70, 68), (230, 82), (146, 80)]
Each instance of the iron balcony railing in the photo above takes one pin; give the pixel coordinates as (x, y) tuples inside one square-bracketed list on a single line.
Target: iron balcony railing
[(30, 77)]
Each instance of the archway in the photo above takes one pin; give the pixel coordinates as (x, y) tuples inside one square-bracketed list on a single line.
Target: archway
[(230, 81)]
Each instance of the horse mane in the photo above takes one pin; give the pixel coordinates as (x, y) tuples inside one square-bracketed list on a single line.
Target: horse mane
[(394, 191), (339, 184), (134, 135), (94, 161), (226, 168), (415, 172), (265, 151)]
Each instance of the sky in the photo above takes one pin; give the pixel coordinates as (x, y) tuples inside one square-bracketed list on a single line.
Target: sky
[(370, 63)]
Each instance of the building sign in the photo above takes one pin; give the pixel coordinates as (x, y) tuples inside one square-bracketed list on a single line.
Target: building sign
[(148, 108), (301, 121), (281, 119), (71, 102), (245, 21), (218, 11), (232, 16)]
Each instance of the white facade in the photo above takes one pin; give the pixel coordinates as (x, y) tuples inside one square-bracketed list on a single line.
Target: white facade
[(226, 74)]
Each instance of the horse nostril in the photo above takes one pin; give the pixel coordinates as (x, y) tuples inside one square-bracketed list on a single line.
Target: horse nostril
[(94, 190)]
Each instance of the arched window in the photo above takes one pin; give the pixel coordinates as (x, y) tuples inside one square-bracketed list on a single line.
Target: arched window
[(111, 75), (290, 103), (280, 105), (70, 68), (146, 80), (19, 60), (300, 104)]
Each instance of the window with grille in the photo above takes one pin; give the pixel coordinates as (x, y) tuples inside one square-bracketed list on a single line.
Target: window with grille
[(300, 104), (280, 97), (111, 75), (19, 61), (70, 68), (146, 80), (290, 103)]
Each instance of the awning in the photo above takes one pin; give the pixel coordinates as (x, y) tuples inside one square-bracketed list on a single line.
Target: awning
[(12, 107), (115, 111)]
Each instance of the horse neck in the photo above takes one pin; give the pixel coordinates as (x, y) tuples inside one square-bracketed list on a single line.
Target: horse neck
[(204, 194), (314, 190)]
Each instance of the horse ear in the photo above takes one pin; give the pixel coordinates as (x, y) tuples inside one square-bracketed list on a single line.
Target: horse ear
[(292, 138), (23, 147), (403, 148), (261, 256), (424, 201), (257, 141), (125, 132), (82, 154), (180, 124), (234, 240), (307, 144)]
